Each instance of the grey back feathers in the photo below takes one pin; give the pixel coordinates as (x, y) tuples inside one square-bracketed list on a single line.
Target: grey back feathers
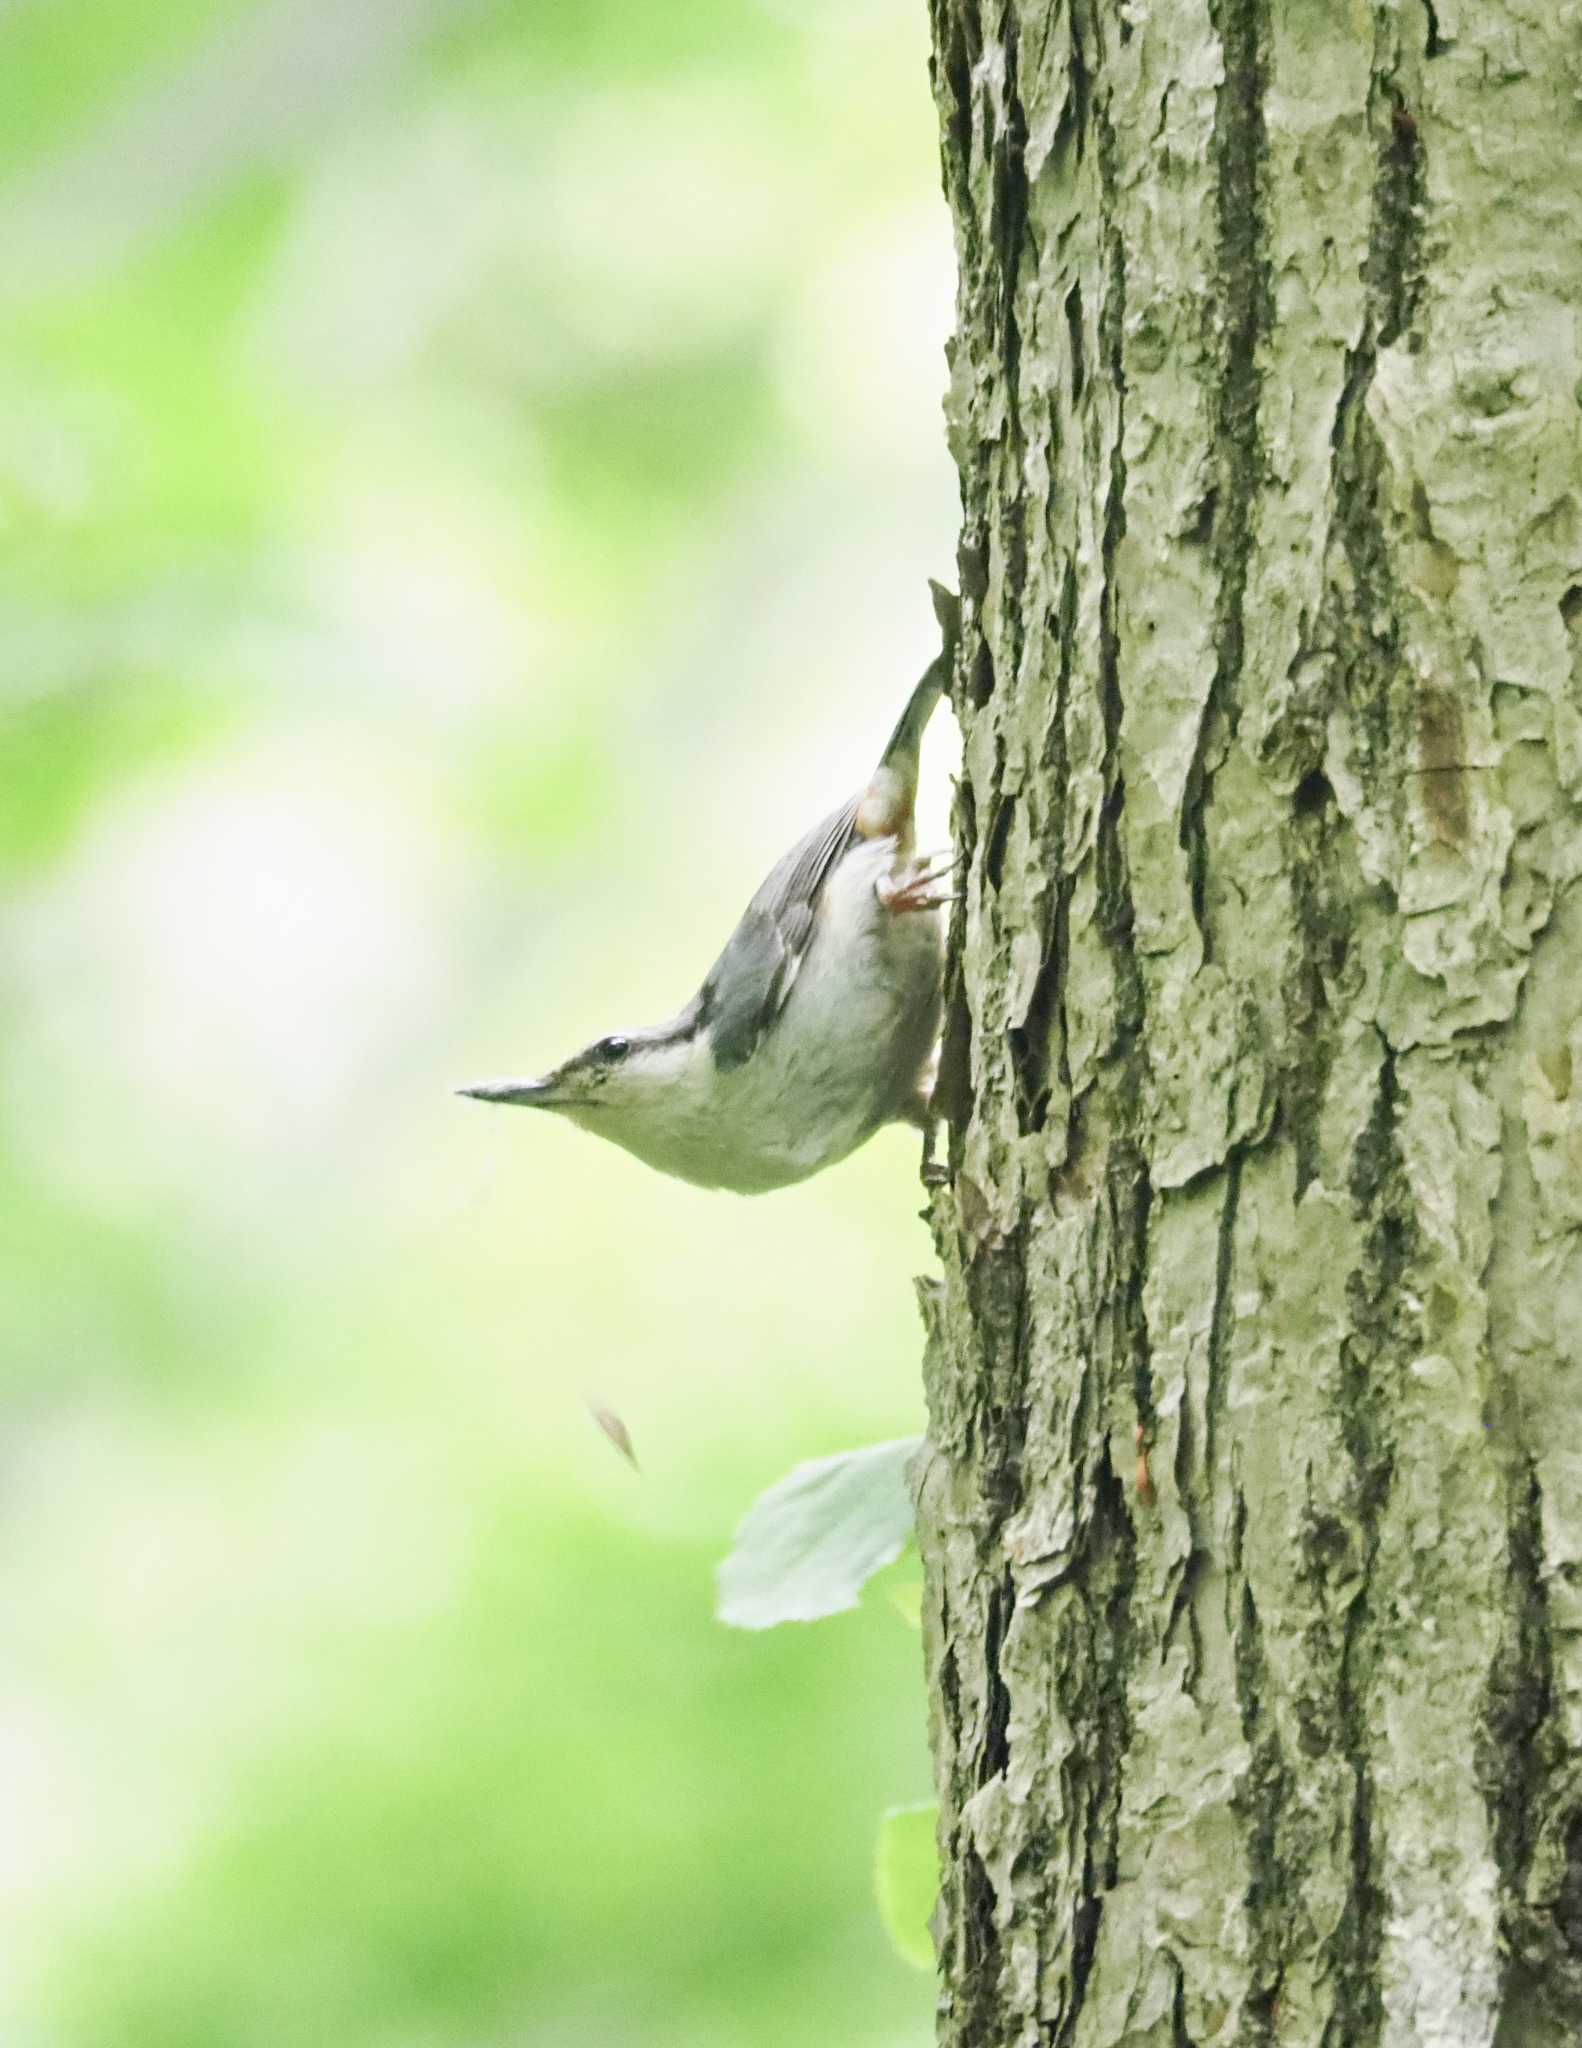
[(746, 987)]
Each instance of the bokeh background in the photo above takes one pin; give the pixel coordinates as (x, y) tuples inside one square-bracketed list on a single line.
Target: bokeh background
[(467, 477)]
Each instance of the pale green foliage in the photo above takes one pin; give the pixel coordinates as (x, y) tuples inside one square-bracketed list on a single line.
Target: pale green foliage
[(906, 1878), (467, 476), (811, 1543)]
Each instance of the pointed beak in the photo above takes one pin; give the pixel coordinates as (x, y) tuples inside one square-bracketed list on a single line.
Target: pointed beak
[(530, 1094)]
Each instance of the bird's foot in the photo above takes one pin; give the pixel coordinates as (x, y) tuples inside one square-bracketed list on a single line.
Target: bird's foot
[(914, 885), (933, 1173)]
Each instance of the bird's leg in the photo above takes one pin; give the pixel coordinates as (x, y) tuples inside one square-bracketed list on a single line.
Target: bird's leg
[(920, 1111), (919, 1108), (911, 885), (932, 1172)]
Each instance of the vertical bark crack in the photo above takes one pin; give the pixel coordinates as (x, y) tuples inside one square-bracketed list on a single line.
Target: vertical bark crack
[(1520, 1747), (1263, 1800), (1219, 1325), (1382, 1199), (1242, 312)]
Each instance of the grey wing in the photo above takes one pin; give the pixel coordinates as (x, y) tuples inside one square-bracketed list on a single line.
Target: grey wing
[(748, 984)]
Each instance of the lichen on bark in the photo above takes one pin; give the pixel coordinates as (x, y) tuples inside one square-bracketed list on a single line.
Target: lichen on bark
[(1264, 1039)]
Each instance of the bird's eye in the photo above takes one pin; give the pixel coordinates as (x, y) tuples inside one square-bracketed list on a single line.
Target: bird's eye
[(614, 1048)]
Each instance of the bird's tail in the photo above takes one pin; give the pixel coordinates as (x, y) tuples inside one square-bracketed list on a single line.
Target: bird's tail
[(888, 802)]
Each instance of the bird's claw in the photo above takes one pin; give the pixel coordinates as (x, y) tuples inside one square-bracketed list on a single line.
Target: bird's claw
[(912, 888)]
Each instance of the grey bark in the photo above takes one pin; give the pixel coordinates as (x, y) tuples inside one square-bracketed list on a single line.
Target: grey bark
[(1264, 1042)]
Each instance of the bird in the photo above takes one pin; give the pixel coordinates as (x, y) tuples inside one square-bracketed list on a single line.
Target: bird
[(819, 1021)]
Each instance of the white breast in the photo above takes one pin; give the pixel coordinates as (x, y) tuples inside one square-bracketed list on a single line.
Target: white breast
[(843, 1057)]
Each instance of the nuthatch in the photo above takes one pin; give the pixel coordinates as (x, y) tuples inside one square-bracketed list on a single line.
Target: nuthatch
[(817, 1023)]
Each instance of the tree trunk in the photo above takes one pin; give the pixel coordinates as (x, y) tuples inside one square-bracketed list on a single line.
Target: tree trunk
[(1252, 1513)]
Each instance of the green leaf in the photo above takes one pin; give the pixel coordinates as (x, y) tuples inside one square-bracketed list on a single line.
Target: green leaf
[(900, 1587), (805, 1548), (906, 1597), (906, 1878)]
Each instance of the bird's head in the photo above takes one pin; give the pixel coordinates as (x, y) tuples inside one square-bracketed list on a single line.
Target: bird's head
[(619, 1086)]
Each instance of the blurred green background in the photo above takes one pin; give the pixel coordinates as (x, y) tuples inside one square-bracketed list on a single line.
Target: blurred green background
[(468, 474)]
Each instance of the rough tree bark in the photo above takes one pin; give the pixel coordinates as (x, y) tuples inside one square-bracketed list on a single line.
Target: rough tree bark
[(1264, 1046)]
